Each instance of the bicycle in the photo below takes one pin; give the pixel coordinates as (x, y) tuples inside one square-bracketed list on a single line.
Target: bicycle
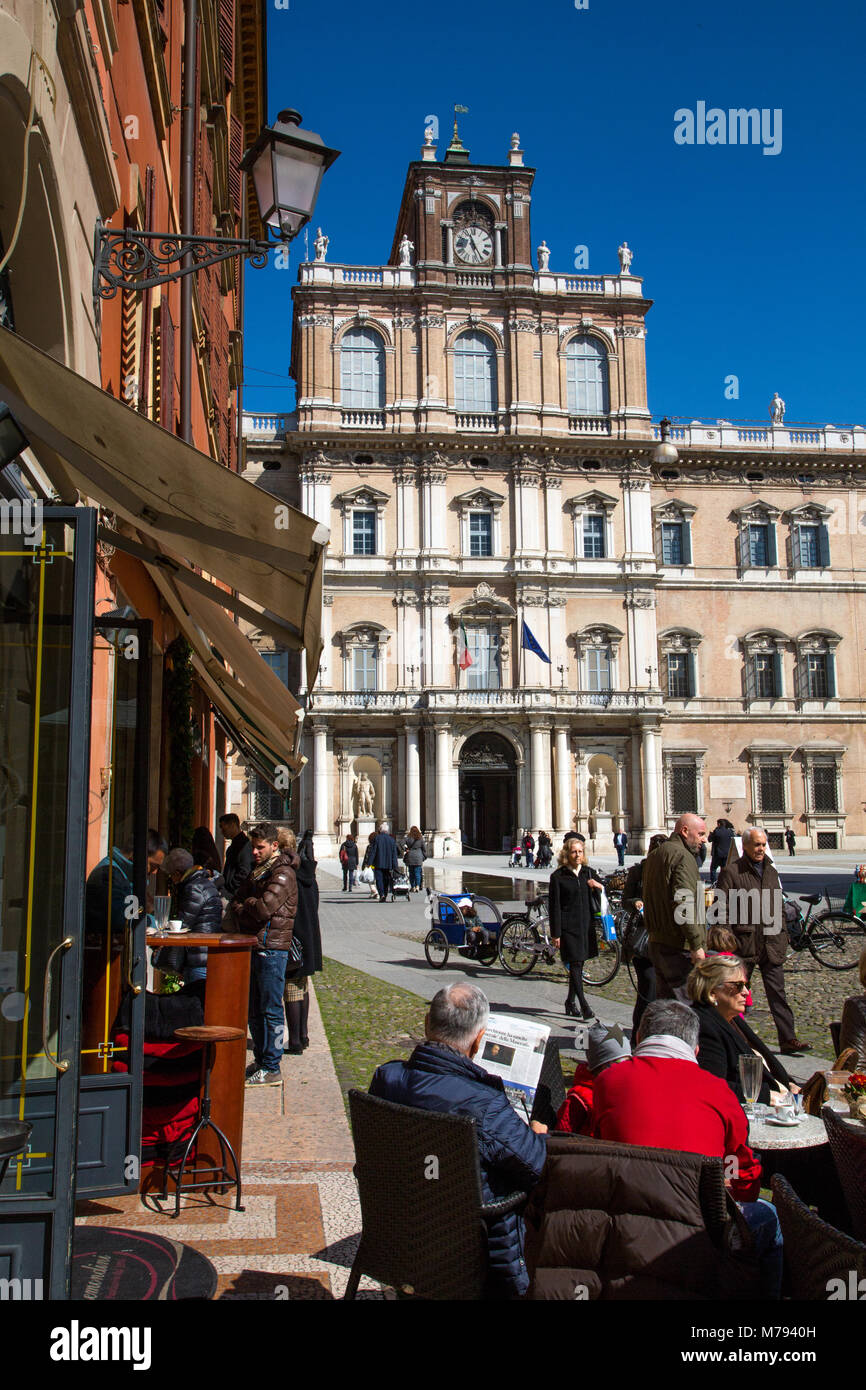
[(834, 937), (525, 940), (454, 930)]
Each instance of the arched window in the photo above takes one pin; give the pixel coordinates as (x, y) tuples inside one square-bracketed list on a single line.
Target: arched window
[(586, 377), (362, 370), (475, 374)]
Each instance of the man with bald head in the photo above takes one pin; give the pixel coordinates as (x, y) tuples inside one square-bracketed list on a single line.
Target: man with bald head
[(753, 910), (442, 1075), (672, 912)]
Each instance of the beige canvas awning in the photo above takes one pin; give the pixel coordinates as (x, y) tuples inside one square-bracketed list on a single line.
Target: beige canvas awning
[(186, 502), (253, 700)]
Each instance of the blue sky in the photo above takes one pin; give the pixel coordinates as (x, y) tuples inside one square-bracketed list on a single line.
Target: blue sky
[(754, 261)]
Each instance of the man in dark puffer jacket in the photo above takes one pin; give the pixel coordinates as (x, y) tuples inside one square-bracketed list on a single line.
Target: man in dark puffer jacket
[(266, 906), (198, 904), (440, 1075)]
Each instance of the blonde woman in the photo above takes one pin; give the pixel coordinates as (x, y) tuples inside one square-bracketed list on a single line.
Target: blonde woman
[(571, 926), (717, 987)]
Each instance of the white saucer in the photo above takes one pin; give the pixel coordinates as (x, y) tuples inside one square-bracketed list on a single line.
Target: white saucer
[(785, 1124)]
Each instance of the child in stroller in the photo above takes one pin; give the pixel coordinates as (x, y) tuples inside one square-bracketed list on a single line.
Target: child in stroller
[(399, 884), (516, 858)]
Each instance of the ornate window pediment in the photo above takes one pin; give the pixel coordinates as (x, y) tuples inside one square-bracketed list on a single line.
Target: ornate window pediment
[(673, 510), (681, 639), (483, 603), (592, 502), (810, 513), (479, 497), (362, 497), (767, 640), (756, 512), (598, 635)]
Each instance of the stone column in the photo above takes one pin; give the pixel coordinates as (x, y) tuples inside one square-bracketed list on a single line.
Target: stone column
[(526, 484), (386, 810), (553, 515), (407, 521), (499, 229), (434, 513), (563, 781), (622, 817), (540, 775), (438, 639), (447, 818), (650, 739), (449, 242), (412, 763), (640, 606), (321, 790)]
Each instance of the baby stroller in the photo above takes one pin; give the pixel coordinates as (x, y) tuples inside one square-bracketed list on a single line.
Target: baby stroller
[(516, 859), (400, 884)]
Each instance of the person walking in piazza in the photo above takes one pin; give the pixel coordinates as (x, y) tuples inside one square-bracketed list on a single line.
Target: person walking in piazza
[(572, 930), (671, 884), (414, 855), (620, 844), (790, 841), (528, 848), (384, 860), (752, 894), (719, 842), (349, 862)]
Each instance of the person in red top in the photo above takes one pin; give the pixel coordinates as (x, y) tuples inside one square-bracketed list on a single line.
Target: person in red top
[(604, 1046), (661, 1098)]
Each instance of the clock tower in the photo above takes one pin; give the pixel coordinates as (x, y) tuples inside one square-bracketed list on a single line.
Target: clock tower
[(469, 223)]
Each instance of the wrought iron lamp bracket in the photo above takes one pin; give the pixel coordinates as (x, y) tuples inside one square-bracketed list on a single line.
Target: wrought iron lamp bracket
[(126, 259)]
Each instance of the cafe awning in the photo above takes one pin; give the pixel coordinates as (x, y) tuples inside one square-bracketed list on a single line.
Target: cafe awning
[(178, 499), (262, 714)]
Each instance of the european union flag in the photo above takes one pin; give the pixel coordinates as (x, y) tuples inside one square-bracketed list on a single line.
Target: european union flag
[(529, 644)]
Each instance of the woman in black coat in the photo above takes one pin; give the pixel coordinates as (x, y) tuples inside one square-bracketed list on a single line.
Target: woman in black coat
[(718, 998), (296, 994), (571, 926)]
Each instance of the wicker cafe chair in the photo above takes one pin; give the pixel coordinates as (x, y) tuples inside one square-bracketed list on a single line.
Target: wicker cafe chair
[(422, 1210), (848, 1147), (814, 1252), (836, 1037)]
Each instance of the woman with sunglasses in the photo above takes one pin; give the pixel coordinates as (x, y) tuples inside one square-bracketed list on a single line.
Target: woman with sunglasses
[(717, 988)]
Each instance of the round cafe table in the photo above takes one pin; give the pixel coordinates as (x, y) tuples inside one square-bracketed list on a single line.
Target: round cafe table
[(807, 1133), (801, 1153)]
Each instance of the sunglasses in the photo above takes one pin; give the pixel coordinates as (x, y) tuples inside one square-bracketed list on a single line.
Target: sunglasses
[(737, 986)]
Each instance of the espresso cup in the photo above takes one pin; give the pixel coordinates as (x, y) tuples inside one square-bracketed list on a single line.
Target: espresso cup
[(175, 924)]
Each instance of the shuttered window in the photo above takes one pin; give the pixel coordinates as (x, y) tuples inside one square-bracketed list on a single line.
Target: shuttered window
[(475, 374), (166, 367), (362, 370), (586, 377)]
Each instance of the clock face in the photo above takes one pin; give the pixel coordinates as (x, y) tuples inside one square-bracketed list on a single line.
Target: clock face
[(473, 244)]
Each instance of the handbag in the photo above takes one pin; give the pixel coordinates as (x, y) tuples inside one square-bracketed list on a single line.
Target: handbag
[(635, 937)]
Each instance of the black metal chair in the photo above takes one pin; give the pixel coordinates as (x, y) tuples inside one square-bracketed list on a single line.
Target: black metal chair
[(814, 1252), (836, 1037), (848, 1147), (422, 1209)]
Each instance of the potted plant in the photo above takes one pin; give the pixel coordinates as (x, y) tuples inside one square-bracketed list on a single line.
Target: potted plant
[(854, 1092)]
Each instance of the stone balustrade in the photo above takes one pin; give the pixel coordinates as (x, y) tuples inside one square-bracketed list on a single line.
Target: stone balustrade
[(540, 700), (724, 434), (268, 426)]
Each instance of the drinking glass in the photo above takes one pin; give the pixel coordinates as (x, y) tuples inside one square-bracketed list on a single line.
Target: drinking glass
[(161, 908), (751, 1076)]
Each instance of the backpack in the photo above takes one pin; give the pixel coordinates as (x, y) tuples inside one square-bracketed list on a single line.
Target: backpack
[(344, 855)]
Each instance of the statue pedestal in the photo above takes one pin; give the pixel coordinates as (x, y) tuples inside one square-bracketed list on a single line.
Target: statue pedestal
[(366, 826), (601, 826)]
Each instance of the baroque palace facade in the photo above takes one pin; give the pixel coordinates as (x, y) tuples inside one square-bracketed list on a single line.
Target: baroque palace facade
[(474, 430)]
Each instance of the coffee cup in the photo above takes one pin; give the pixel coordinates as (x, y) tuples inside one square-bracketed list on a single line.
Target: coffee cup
[(175, 924)]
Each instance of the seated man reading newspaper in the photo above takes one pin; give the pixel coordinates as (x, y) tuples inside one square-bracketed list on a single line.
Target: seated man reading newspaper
[(441, 1075)]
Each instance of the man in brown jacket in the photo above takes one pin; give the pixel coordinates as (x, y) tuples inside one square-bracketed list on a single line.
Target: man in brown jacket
[(266, 905), (753, 910), (674, 919)]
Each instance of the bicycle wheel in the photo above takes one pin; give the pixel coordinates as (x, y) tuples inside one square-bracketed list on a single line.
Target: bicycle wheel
[(600, 969), (518, 946), (836, 940), (436, 948), (486, 955)]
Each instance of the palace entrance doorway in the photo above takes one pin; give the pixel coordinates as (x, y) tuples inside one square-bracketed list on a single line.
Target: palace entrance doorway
[(488, 793)]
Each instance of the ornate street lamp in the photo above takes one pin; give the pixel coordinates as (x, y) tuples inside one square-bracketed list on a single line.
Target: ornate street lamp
[(665, 452), (286, 164)]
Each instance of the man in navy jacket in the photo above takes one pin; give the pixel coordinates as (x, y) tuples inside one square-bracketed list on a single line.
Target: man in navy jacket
[(441, 1075), (385, 860)]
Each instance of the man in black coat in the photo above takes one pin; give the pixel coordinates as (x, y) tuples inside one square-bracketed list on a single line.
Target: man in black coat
[(441, 1075), (239, 855), (198, 904), (754, 912)]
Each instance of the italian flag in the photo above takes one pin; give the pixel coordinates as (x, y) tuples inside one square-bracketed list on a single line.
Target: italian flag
[(464, 660)]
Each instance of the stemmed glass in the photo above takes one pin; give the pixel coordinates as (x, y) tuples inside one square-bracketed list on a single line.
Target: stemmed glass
[(161, 907), (751, 1076)]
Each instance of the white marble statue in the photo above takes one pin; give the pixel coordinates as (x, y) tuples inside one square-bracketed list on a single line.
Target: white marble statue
[(543, 256), (321, 245), (363, 795), (600, 783), (429, 137), (406, 249), (515, 141), (625, 258), (777, 409)]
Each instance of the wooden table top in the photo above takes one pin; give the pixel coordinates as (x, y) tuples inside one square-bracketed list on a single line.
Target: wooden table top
[(211, 941)]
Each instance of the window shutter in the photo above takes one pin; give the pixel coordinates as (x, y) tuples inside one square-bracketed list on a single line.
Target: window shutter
[(772, 552), (795, 547), (227, 39), (690, 676), (744, 540), (236, 178), (801, 675), (166, 367), (823, 546), (751, 677), (777, 675), (687, 541), (831, 675)]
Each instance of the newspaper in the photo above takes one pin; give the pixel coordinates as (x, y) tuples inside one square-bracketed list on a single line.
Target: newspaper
[(514, 1049)]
